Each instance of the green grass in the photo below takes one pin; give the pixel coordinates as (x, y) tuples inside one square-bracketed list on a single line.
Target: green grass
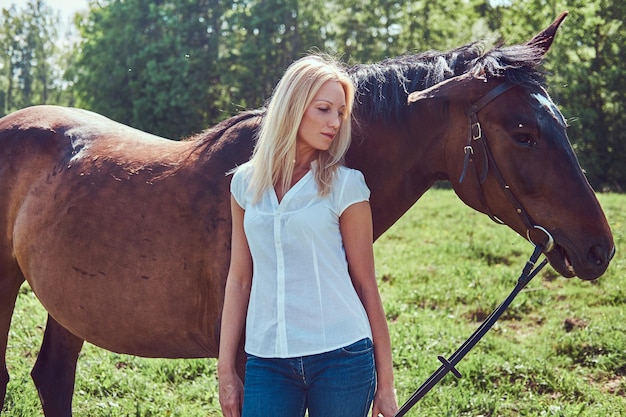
[(559, 350)]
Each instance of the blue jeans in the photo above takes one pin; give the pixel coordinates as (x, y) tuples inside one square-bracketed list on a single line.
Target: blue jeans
[(340, 383)]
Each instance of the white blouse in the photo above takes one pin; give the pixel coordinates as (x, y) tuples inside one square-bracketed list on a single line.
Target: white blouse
[(302, 301)]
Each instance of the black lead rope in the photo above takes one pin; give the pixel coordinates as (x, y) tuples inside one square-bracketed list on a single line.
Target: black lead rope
[(449, 365)]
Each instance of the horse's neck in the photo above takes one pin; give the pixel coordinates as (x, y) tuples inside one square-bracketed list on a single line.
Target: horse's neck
[(398, 166)]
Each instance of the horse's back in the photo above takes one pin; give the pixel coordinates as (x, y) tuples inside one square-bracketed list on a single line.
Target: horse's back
[(67, 130)]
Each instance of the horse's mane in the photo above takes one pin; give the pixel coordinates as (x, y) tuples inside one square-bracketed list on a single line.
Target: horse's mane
[(383, 87)]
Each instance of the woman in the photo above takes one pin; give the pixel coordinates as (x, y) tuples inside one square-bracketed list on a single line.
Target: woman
[(301, 276)]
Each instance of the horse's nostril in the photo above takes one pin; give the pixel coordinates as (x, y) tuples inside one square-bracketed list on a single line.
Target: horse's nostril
[(598, 255)]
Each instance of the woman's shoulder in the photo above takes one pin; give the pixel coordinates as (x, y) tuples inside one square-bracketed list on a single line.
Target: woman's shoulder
[(346, 173), (350, 178), (244, 170), (240, 182), (347, 170), (349, 188)]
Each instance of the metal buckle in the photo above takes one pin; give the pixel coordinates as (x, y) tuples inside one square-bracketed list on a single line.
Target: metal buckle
[(477, 131)]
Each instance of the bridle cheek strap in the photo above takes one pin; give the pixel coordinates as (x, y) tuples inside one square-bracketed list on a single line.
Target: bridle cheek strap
[(476, 139), (475, 132)]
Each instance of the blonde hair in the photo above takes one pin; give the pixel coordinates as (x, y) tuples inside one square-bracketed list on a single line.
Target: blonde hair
[(275, 149)]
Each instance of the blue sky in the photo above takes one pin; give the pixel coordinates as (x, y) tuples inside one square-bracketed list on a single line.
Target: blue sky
[(66, 7)]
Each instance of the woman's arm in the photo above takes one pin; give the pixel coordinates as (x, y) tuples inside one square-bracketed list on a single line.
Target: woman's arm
[(357, 234), (236, 299)]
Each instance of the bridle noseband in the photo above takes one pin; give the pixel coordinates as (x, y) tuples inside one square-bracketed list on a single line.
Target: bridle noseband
[(475, 138)]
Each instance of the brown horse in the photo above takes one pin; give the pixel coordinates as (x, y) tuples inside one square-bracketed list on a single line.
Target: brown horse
[(124, 236)]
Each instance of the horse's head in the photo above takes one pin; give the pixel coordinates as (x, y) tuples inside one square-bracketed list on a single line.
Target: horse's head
[(508, 155)]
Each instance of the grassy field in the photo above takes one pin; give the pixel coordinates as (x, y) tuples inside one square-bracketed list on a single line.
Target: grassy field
[(559, 350)]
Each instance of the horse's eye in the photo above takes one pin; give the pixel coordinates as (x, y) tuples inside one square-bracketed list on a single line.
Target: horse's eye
[(525, 140)]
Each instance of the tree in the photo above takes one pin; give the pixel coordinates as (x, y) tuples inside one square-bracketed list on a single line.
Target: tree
[(151, 64), (260, 39), (587, 79), (592, 91), (28, 62)]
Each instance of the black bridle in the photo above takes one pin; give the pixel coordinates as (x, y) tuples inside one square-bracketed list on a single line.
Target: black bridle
[(476, 139)]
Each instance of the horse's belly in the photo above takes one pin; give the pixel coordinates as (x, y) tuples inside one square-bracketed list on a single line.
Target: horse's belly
[(140, 315)]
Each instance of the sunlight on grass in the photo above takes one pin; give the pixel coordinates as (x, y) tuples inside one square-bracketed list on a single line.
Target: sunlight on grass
[(559, 350)]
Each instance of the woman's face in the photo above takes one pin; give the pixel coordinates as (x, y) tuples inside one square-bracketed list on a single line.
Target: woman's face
[(322, 119)]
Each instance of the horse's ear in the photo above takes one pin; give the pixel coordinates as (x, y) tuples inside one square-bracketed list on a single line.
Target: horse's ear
[(447, 89), (543, 40)]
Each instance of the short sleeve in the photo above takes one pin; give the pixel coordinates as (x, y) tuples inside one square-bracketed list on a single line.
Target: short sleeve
[(239, 185), (352, 189)]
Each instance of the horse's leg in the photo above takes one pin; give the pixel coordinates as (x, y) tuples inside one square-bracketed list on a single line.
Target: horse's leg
[(10, 283), (55, 370)]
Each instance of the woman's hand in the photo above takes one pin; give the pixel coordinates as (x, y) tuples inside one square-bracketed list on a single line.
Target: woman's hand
[(385, 403), (230, 394)]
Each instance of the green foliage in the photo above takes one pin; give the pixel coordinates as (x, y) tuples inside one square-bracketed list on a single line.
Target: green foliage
[(150, 65), (587, 78), (597, 75), (29, 58), (559, 350), (259, 40)]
